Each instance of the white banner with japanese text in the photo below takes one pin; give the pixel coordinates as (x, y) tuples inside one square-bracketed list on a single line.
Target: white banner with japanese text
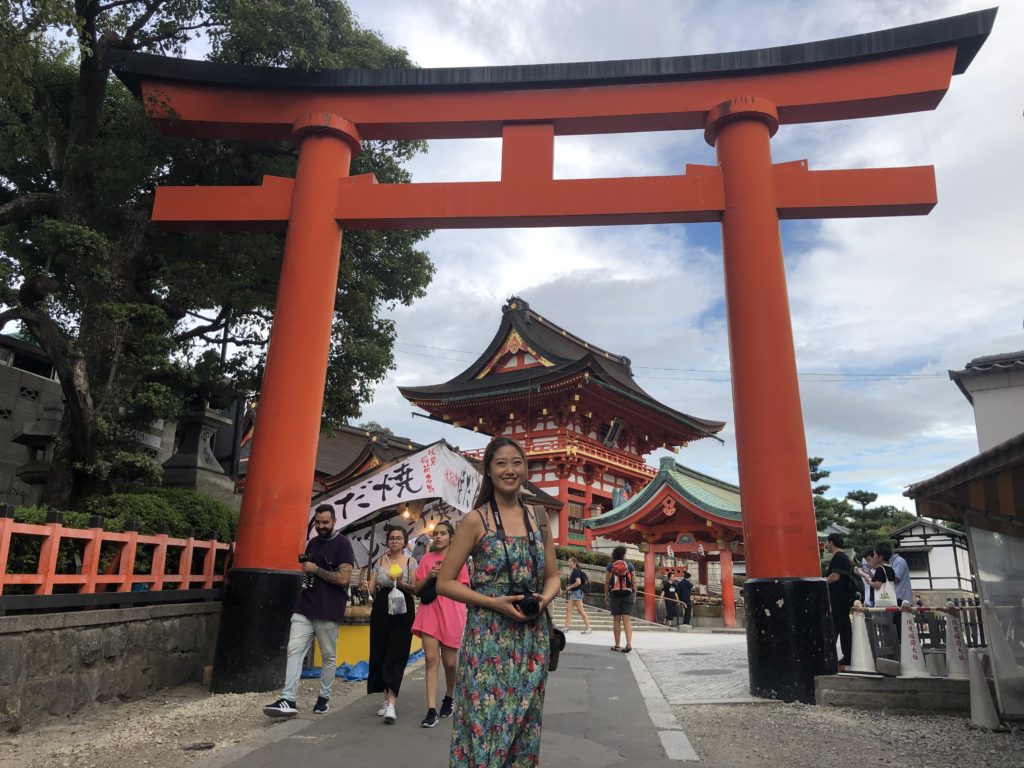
[(436, 474)]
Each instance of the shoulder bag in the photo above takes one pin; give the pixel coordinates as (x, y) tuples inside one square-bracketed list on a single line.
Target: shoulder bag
[(556, 637), (885, 597)]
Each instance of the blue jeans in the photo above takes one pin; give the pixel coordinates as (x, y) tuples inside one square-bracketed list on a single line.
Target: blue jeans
[(300, 638)]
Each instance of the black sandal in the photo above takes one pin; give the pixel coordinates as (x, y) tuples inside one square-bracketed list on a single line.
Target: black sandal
[(627, 649), (615, 648)]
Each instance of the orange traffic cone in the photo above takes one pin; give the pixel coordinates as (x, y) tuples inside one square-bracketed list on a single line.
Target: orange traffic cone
[(861, 658), (911, 656)]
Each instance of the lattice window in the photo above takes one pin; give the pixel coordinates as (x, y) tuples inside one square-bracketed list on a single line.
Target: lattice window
[(28, 393), (5, 414)]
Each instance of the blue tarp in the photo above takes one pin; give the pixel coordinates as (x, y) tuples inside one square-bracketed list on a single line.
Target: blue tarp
[(357, 671)]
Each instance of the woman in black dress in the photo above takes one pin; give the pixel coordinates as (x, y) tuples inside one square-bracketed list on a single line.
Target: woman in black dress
[(671, 598), (391, 635)]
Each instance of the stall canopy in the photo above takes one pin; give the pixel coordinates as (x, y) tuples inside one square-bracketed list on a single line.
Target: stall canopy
[(436, 472), (414, 491)]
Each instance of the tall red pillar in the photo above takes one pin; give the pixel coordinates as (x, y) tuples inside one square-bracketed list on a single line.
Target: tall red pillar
[(785, 597), (728, 597), (262, 586), (563, 513)]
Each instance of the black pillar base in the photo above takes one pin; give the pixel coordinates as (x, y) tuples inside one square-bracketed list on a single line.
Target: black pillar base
[(790, 638), (252, 644)]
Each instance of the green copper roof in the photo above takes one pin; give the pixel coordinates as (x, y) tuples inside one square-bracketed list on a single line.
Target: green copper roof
[(706, 493)]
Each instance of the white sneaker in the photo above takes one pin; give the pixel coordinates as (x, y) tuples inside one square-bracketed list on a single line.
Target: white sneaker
[(586, 631), (389, 714), (383, 709)]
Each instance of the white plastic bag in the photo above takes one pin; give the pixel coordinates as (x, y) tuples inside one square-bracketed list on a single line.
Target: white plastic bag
[(396, 601)]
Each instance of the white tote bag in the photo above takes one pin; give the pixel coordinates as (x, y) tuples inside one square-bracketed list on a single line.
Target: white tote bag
[(885, 596)]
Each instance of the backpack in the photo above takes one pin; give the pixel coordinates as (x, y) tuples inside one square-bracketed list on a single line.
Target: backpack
[(584, 586), (622, 579)]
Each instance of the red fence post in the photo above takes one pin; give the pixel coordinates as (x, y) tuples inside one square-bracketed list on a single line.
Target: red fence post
[(48, 557), (185, 563), (91, 556), (159, 562), (127, 567), (5, 546), (208, 563)]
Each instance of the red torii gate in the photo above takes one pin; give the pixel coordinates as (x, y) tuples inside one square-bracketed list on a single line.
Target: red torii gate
[(737, 99)]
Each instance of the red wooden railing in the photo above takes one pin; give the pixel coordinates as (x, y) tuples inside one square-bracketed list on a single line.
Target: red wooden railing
[(577, 446), (120, 575)]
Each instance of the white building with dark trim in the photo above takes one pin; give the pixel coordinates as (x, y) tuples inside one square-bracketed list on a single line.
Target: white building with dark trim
[(938, 559)]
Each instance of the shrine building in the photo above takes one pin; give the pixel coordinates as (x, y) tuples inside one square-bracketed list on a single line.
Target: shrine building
[(681, 515), (585, 423)]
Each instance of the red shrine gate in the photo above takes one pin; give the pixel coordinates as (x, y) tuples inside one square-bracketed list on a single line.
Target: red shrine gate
[(738, 99)]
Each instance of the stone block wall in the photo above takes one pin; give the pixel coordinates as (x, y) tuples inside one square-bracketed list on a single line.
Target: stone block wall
[(52, 665)]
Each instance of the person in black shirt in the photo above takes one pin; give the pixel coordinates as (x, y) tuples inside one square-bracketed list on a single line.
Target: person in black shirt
[(684, 594), (671, 599), (574, 597), (319, 609), (841, 594)]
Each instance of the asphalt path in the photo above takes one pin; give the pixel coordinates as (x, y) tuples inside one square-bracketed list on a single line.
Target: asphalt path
[(602, 709)]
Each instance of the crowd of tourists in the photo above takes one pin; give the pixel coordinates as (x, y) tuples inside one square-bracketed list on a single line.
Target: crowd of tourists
[(881, 579), (483, 593)]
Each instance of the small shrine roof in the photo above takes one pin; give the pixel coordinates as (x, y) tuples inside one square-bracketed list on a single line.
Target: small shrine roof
[(337, 452), (708, 496), (560, 354), (923, 522)]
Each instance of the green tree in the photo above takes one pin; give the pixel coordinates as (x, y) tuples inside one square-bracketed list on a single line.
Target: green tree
[(862, 497), (377, 429), (828, 511), (817, 473), (127, 312), (870, 526)]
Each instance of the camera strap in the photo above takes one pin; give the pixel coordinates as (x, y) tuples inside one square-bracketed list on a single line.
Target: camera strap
[(531, 537)]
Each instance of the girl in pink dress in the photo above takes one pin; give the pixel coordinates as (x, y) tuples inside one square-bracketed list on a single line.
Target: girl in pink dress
[(439, 624)]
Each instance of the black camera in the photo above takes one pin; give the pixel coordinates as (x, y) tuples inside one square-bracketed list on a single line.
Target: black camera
[(529, 606), (308, 579)]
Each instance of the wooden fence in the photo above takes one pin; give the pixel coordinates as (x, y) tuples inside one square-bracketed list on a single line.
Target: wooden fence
[(107, 566)]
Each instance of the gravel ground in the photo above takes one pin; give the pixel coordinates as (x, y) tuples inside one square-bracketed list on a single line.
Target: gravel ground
[(801, 736), (156, 731)]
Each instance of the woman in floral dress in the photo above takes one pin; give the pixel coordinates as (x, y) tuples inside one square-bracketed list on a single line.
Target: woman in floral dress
[(503, 663)]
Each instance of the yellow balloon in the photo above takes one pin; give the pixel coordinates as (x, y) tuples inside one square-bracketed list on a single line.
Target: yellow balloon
[(395, 572)]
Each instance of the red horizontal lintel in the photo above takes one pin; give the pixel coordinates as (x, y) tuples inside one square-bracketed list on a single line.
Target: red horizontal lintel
[(804, 194)]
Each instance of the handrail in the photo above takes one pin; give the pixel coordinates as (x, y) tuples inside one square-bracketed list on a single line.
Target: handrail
[(576, 446), (120, 576)]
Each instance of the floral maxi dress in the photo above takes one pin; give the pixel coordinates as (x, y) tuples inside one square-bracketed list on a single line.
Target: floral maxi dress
[(503, 666)]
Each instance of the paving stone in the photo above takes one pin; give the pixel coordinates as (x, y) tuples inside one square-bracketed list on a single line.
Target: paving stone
[(702, 674)]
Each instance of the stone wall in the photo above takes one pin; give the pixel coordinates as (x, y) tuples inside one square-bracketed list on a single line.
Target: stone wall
[(52, 665)]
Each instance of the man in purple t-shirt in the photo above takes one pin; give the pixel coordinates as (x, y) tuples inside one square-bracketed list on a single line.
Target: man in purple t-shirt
[(326, 571)]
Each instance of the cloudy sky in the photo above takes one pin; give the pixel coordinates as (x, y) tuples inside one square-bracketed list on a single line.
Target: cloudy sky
[(882, 308)]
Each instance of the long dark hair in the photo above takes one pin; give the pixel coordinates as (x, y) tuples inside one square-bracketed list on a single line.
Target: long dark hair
[(446, 524), (486, 486)]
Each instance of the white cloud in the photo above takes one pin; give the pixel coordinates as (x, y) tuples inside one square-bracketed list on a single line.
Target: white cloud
[(906, 295)]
